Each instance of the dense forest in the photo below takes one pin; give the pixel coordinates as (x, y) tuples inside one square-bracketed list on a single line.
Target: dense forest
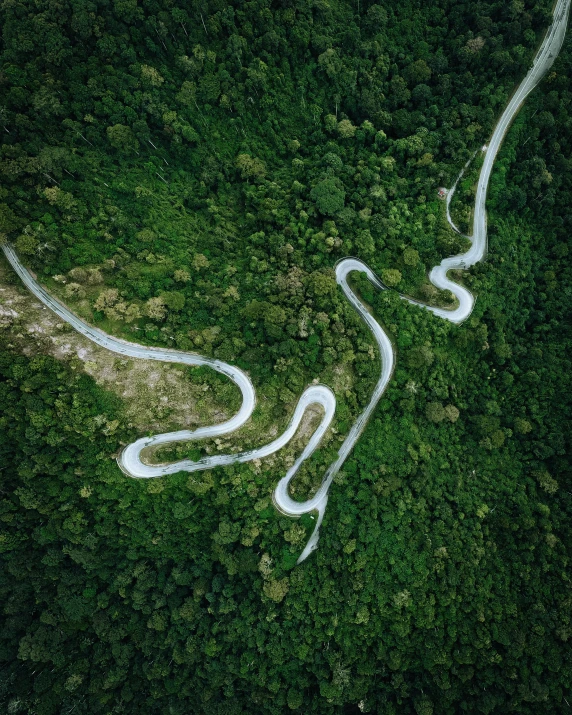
[(187, 175)]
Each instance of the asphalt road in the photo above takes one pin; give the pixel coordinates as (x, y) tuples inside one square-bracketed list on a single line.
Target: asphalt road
[(544, 59), (130, 460), (318, 502), (122, 347)]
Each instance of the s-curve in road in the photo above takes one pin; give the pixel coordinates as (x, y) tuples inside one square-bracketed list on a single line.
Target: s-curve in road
[(122, 347), (318, 502), (130, 458), (544, 59), (131, 461)]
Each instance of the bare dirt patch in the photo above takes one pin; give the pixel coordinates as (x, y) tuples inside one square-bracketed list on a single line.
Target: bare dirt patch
[(157, 396)]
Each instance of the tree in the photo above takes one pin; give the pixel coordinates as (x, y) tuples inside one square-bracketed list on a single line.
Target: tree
[(250, 167), (200, 261), (391, 277), (146, 235), (377, 17), (151, 77), (121, 137), (174, 300), (8, 220), (346, 129), (322, 283), (182, 276), (329, 196), (522, 426), (276, 589), (435, 412), (418, 71), (333, 161), (62, 199), (27, 244), (451, 413), (546, 482), (155, 308), (364, 242), (295, 699), (410, 257), (475, 45), (74, 290)]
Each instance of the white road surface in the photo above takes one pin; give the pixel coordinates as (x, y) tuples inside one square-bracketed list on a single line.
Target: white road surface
[(318, 502), (130, 460), (543, 61)]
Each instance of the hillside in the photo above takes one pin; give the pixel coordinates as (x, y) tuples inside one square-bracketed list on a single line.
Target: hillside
[(187, 176)]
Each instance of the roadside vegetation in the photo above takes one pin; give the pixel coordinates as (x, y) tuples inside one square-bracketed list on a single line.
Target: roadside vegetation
[(188, 176), (462, 203)]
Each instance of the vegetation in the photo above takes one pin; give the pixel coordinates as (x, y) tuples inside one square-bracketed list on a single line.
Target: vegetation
[(188, 175), (463, 200)]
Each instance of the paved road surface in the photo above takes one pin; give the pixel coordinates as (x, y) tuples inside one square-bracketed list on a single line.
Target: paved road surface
[(130, 459), (544, 59)]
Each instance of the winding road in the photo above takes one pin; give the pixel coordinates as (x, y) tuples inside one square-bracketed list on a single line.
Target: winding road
[(543, 61), (130, 460)]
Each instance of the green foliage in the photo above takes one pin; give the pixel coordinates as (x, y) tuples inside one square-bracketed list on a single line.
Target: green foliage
[(435, 412), (8, 219), (410, 257), (194, 173), (250, 167), (27, 244), (329, 196), (391, 277), (121, 137)]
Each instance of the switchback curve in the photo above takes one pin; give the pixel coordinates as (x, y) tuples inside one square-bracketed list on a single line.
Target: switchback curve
[(130, 459)]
